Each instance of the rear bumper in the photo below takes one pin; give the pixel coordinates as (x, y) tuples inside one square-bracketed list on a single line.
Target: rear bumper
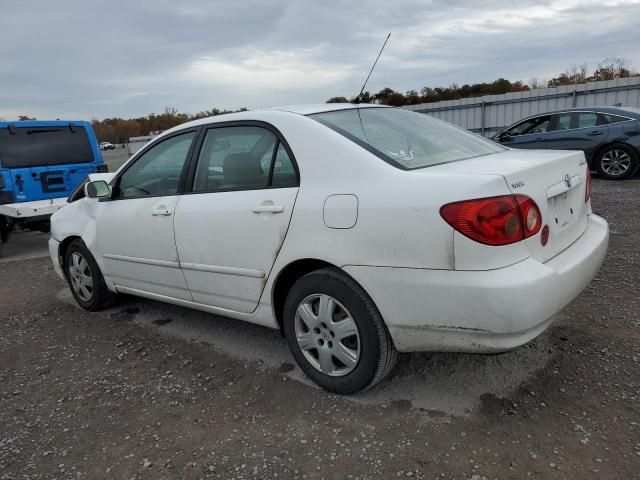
[(482, 311), (33, 209)]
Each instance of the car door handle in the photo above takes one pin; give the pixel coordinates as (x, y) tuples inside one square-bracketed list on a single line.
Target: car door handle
[(596, 132), (161, 212), (268, 209)]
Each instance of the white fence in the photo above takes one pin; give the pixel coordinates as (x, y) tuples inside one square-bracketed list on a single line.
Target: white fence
[(489, 114)]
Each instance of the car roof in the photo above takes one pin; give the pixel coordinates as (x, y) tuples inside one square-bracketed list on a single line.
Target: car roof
[(623, 111), (259, 114), (45, 123), (325, 107)]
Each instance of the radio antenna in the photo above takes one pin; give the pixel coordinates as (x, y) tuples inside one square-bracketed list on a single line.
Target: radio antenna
[(357, 99)]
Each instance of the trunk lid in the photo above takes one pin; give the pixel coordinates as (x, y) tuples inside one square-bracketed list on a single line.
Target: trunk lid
[(554, 179)]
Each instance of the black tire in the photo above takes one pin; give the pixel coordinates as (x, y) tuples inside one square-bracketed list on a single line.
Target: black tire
[(604, 158), (377, 354), (99, 296)]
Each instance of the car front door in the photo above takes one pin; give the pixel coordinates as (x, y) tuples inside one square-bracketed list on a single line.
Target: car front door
[(229, 228), (530, 133), (577, 131), (135, 226)]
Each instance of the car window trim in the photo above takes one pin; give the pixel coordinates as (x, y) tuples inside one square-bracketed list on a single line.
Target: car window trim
[(139, 154), (193, 161), (272, 165)]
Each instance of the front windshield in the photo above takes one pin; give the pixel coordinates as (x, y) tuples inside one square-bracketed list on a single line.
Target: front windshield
[(406, 139)]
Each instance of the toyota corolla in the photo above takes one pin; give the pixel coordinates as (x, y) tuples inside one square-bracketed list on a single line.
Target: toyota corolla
[(357, 230)]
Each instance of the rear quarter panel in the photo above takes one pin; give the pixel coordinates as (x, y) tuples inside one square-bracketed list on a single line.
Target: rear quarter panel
[(632, 134)]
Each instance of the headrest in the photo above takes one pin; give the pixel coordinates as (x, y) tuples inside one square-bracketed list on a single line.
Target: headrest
[(243, 169)]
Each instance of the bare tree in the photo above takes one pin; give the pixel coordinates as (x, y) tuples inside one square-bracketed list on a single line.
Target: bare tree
[(611, 68), (535, 82)]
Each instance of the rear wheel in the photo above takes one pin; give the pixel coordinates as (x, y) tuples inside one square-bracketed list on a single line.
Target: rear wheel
[(616, 162), (85, 279), (336, 333)]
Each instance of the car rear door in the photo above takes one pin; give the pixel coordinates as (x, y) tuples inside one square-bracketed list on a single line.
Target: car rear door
[(230, 227), (577, 131)]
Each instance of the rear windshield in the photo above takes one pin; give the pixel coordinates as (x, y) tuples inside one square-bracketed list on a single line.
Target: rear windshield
[(406, 139), (41, 146)]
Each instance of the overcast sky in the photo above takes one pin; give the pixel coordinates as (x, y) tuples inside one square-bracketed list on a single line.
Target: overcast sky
[(94, 59)]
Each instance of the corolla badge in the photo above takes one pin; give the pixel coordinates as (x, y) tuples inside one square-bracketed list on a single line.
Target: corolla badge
[(567, 180)]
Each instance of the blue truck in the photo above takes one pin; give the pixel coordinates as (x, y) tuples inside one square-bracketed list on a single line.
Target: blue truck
[(41, 163)]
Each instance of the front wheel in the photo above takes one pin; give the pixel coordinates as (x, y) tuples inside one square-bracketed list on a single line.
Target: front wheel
[(85, 279), (336, 333), (616, 162)]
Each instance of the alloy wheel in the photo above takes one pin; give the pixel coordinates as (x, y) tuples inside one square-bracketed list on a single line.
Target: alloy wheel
[(327, 335), (615, 162), (80, 275)]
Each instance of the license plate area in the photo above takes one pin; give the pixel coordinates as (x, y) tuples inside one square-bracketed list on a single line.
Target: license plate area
[(563, 209), (53, 181)]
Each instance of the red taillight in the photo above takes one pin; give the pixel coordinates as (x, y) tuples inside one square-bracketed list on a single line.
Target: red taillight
[(587, 190), (495, 220)]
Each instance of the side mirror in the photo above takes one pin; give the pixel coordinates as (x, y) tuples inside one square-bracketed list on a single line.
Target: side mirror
[(97, 189)]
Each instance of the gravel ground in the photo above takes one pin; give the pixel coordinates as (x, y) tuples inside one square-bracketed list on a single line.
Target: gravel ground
[(153, 391)]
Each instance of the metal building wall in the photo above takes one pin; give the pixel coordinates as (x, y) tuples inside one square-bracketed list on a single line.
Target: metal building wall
[(489, 114), (136, 143)]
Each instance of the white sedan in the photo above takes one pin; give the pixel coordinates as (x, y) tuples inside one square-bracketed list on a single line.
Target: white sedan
[(357, 230)]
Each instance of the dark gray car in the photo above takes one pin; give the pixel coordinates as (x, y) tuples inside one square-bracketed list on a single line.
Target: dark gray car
[(609, 136)]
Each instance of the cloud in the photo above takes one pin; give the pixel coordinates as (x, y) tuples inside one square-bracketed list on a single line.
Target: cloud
[(88, 58)]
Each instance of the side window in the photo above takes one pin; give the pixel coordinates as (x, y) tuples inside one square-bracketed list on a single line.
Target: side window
[(587, 119), (284, 173), (532, 125), (234, 158), (241, 158), (563, 122), (608, 118), (157, 172)]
